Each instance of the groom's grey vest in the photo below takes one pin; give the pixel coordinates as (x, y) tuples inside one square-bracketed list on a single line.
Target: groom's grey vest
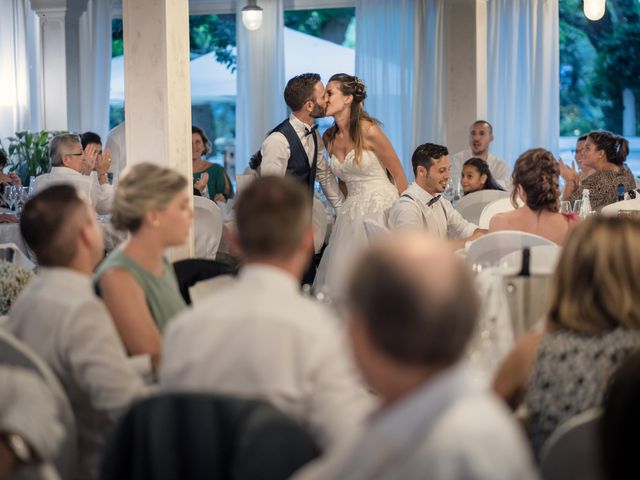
[(298, 166)]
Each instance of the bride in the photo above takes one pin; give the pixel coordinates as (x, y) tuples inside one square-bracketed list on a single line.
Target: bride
[(361, 155)]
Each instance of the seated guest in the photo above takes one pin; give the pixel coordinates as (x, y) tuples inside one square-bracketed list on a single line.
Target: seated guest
[(69, 162), (535, 182), (409, 331), (477, 176), (261, 337), (6, 179), (422, 205), (209, 178), (606, 154), (136, 281), (592, 324), (480, 137), (59, 316)]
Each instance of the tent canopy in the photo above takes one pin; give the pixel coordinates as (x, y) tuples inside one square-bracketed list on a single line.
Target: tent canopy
[(212, 81)]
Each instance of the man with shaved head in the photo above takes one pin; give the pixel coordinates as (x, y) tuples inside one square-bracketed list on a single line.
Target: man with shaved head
[(412, 311), (60, 317)]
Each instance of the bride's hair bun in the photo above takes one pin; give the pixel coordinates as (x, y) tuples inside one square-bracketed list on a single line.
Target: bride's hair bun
[(359, 90)]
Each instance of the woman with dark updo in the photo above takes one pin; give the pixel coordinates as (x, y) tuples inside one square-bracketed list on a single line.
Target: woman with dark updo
[(535, 182), (605, 153)]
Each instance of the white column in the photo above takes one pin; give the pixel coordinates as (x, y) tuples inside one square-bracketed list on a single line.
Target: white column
[(53, 66), (466, 67), (156, 85)]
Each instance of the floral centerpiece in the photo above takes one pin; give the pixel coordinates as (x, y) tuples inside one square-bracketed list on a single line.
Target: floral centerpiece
[(13, 278)]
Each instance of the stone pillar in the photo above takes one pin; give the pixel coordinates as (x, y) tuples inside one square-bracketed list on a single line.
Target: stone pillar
[(466, 68), (53, 62), (157, 88)]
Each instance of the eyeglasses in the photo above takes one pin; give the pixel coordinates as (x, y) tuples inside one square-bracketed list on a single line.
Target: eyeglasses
[(73, 154)]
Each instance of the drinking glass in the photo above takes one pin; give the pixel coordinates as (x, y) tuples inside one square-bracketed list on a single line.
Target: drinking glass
[(11, 196), (566, 207), (577, 206)]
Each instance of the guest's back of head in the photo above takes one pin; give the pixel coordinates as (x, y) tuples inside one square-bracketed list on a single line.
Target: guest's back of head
[(595, 282), (415, 299), (143, 188), (537, 173), (51, 223), (273, 215)]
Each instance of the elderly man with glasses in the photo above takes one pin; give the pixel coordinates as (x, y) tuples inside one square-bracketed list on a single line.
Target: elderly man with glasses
[(71, 164)]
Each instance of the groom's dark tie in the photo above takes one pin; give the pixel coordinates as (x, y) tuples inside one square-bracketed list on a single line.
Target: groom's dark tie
[(309, 132), (433, 200)]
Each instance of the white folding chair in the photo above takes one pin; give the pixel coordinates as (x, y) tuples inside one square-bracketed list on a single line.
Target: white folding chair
[(471, 206), (497, 206), (374, 230), (11, 252), (242, 181), (207, 229), (614, 209), (490, 248), (319, 218), (572, 450)]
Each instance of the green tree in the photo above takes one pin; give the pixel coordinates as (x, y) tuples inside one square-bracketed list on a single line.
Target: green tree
[(328, 23)]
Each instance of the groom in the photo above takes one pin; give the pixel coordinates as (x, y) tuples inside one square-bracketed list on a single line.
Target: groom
[(295, 147)]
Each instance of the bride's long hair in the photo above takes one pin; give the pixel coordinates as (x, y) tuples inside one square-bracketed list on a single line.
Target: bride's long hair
[(352, 85)]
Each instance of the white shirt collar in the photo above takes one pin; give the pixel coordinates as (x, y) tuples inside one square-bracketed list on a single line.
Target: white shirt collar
[(419, 194), (268, 275), (72, 280), (64, 171), (298, 125)]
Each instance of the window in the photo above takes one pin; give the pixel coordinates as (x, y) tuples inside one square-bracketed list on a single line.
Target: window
[(600, 75)]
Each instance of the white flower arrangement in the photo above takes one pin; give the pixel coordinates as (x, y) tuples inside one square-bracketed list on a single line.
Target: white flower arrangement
[(13, 278)]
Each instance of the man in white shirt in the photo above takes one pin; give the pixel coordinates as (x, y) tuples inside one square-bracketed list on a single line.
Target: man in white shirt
[(412, 311), (72, 164), (304, 95), (59, 316), (480, 137), (422, 205), (261, 337)]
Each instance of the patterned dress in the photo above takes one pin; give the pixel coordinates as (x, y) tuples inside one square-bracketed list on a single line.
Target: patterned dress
[(570, 376), (603, 187)]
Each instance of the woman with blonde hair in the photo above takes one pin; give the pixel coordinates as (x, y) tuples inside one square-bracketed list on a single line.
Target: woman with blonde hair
[(361, 155), (535, 182), (136, 282), (593, 323)]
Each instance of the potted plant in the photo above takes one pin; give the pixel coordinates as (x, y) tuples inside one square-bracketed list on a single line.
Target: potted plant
[(29, 154)]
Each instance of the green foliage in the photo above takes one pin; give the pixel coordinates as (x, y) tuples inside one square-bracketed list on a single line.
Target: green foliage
[(214, 33), (29, 154), (328, 23), (117, 44), (598, 61)]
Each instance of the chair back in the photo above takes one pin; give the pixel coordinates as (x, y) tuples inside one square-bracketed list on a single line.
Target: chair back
[(491, 248), (620, 208), (193, 270), (497, 206), (542, 260), (471, 205), (15, 353), (320, 224), (572, 451), (208, 225), (204, 436), (374, 230), (11, 253)]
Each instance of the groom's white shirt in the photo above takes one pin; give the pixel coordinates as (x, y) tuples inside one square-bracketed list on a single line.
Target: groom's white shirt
[(276, 152)]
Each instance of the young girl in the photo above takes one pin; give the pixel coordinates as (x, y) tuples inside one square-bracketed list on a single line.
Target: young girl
[(477, 176)]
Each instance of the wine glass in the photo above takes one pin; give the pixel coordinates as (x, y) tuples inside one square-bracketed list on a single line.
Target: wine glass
[(577, 206), (11, 196)]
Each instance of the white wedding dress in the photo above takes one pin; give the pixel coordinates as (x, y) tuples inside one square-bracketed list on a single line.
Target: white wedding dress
[(370, 196)]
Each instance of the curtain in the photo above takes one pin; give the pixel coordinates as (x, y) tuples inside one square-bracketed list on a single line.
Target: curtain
[(523, 76), (14, 68), (95, 67), (260, 80), (399, 55)]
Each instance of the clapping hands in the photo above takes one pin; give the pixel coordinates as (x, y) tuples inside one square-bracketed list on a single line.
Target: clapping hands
[(202, 183), (11, 178), (89, 158)]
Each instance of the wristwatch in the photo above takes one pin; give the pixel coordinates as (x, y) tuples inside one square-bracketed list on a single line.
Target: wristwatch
[(18, 446)]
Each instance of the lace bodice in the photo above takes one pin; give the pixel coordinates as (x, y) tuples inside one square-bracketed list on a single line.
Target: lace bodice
[(369, 188)]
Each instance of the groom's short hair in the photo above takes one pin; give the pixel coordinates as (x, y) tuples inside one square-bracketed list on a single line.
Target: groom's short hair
[(272, 214), (300, 89), (425, 154)]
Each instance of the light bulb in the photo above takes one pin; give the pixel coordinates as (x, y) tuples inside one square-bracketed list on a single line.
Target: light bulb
[(594, 9), (252, 17)]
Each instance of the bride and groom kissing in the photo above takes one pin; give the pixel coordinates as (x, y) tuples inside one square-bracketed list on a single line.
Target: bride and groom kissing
[(360, 155)]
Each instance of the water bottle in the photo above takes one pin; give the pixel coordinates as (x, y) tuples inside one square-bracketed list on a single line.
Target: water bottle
[(620, 192), (585, 208)]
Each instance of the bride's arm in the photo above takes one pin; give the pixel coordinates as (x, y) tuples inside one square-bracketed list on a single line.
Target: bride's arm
[(377, 141)]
